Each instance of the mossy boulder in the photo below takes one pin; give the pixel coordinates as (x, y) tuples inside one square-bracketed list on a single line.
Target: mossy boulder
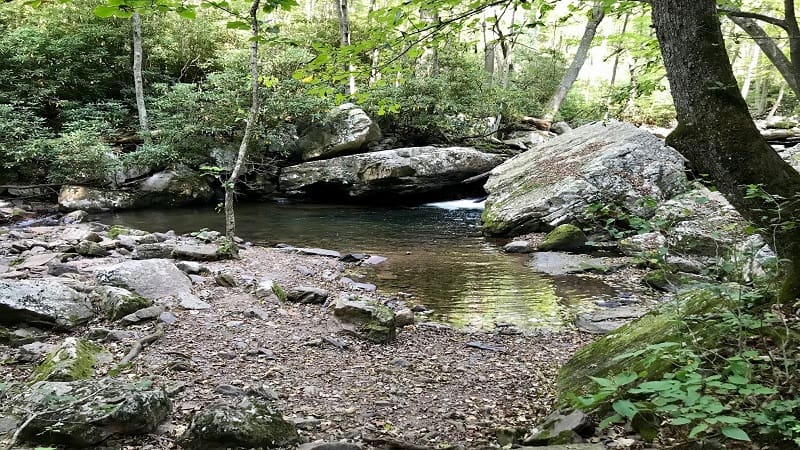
[(87, 412), (73, 360), (564, 237), (366, 319), (251, 423), (606, 356), (116, 303), (669, 281)]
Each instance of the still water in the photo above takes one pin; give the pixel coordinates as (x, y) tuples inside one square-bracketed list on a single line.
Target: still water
[(436, 253)]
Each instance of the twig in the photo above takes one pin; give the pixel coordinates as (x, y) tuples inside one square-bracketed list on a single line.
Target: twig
[(24, 425), (139, 345)]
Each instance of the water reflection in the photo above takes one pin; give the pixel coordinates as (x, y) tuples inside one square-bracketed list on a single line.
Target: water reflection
[(437, 255)]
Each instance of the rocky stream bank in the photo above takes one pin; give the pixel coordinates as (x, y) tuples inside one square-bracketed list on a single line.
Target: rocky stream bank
[(227, 346)]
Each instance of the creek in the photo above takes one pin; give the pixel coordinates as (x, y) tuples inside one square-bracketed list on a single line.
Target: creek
[(435, 253)]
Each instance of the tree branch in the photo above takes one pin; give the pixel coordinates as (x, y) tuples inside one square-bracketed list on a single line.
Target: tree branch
[(732, 12)]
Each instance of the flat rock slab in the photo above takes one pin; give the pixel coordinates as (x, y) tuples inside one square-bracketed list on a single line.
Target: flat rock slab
[(150, 278), (196, 252), (42, 303), (607, 320), (318, 252), (38, 260), (555, 263)]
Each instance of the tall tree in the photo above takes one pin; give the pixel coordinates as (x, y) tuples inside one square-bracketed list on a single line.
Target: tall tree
[(344, 32), (252, 117), (138, 82), (595, 17), (716, 133)]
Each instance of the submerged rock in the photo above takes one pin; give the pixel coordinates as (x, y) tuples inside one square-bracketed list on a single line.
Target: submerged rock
[(88, 412), (517, 247), (610, 164), (402, 172), (42, 303), (250, 423), (555, 263)]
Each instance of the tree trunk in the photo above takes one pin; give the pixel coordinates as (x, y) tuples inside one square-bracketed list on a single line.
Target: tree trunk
[(761, 100), (716, 133), (429, 61), (375, 57), (138, 83), (777, 104), (252, 117), (785, 67), (574, 69), (344, 30), (615, 67), (488, 55), (751, 71)]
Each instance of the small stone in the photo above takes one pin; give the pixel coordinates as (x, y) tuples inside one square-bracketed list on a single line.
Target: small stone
[(419, 308), (307, 295), (374, 260), (89, 248), (307, 423), (352, 257), (57, 269), (143, 315), (189, 267), (403, 317), (74, 217), (191, 301), (258, 313), (225, 280), (517, 247), (229, 390), (197, 279), (167, 317)]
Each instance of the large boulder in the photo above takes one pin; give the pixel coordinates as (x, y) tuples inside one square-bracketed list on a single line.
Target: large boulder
[(402, 171), (175, 188), (348, 129), (95, 199), (73, 360), (42, 303), (250, 423), (611, 163), (86, 412), (117, 302), (170, 188), (150, 278)]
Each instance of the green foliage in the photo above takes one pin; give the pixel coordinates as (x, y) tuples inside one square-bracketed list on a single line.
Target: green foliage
[(740, 384)]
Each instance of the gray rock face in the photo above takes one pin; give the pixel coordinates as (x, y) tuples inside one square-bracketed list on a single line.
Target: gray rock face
[(94, 200), (89, 412), (250, 423), (153, 251), (42, 303), (642, 244), (403, 171), (607, 320), (150, 278), (613, 164), (118, 302), (176, 187), (365, 319), (350, 129), (562, 427)]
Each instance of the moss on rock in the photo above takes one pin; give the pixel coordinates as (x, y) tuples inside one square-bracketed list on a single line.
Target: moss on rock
[(605, 356), (73, 360), (564, 237)]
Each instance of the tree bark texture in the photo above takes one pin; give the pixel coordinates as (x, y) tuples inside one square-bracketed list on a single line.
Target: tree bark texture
[(716, 132), (138, 82), (252, 117), (575, 67)]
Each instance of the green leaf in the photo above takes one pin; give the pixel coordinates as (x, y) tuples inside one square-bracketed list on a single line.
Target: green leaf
[(735, 433), (625, 408), (738, 379), (609, 420), (730, 420), (105, 11), (699, 428), (237, 25), (188, 13)]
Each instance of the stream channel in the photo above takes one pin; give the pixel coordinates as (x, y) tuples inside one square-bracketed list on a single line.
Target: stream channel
[(435, 252)]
